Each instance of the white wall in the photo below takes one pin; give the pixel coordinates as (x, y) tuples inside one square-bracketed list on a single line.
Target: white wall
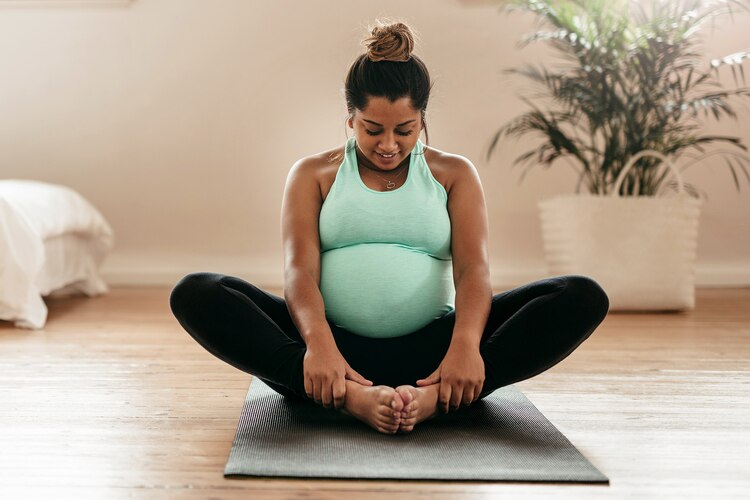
[(179, 120)]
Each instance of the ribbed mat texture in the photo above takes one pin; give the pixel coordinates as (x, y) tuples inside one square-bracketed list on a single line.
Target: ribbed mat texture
[(502, 437)]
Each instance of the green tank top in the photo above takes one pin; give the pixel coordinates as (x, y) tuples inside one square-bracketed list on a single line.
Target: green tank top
[(385, 257)]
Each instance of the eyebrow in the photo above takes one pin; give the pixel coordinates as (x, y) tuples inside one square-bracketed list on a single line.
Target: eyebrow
[(380, 125)]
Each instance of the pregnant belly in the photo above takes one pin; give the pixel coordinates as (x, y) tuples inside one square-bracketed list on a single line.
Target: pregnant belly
[(384, 290)]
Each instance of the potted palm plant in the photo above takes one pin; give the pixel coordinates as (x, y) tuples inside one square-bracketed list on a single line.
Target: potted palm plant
[(625, 109)]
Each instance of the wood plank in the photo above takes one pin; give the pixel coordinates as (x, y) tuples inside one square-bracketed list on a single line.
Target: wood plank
[(113, 399)]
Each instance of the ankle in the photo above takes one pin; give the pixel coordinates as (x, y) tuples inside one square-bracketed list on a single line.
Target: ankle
[(431, 392), (351, 385)]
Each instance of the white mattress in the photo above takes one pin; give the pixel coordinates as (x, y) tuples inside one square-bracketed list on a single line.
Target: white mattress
[(52, 243)]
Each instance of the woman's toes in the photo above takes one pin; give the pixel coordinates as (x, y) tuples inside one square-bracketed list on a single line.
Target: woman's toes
[(405, 391), (409, 399), (389, 415), (407, 424), (410, 410), (396, 404), (388, 426), (409, 420)]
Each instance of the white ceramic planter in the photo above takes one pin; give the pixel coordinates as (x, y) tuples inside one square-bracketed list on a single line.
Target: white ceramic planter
[(641, 250)]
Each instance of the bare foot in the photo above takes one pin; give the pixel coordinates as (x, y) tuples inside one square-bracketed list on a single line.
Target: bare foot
[(420, 404), (378, 406)]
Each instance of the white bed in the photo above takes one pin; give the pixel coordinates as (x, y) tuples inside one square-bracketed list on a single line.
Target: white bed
[(52, 243)]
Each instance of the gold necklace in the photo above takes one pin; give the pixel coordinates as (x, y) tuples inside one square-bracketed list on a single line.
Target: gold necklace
[(389, 183)]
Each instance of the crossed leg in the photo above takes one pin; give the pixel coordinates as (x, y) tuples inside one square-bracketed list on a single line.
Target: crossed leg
[(529, 329)]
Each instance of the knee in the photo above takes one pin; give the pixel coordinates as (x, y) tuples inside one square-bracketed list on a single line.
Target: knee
[(190, 289), (586, 291)]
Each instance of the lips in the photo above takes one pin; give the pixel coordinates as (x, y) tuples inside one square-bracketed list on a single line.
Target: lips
[(386, 160)]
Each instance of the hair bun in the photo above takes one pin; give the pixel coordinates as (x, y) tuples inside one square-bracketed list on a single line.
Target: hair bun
[(391, 42)]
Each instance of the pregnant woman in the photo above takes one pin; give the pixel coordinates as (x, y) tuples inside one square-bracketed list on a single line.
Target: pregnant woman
[(388, 314)]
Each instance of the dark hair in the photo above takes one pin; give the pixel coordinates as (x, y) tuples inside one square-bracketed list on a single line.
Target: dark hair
[(388, 69)]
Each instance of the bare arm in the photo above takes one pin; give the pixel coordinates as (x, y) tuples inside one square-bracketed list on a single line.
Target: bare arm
[(471, 273), (461, 373), (299, 227), (325, 369)]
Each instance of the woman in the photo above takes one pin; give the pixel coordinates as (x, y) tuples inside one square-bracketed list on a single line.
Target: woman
[(387, 314)]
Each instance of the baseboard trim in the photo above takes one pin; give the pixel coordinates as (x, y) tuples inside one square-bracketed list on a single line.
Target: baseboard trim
[(706, 276), (125, 277)]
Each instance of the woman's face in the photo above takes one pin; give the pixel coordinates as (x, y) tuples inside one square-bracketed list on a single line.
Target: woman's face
[(386, 132)]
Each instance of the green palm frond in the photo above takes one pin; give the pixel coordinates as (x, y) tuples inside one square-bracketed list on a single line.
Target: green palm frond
[(633, 79)]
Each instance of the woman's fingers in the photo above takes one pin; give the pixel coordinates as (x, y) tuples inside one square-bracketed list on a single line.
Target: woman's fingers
[(457, 395), (308, 387), (462, 396), (468, 396), (339, 393), (326, 395), (354, 375), (433, 378), (444, 397), (317, 391), (478, 392)]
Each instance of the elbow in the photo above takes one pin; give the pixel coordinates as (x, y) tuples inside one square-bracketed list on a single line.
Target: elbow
[(296, 276), (477, 274)]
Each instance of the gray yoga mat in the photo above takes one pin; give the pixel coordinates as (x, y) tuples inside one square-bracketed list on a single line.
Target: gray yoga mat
[(502, 437)]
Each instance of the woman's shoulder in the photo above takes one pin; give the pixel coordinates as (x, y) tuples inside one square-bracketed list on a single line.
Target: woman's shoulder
[(317, 161), (321, 167), (447, 167)]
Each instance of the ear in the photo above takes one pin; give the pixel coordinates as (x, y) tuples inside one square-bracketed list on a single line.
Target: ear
[(350, 122)]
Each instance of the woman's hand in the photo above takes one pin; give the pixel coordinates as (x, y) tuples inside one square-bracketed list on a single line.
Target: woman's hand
[(325, 371), (461, 377)]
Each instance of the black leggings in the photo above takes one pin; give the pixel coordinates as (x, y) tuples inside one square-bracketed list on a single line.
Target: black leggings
[(529, 330)]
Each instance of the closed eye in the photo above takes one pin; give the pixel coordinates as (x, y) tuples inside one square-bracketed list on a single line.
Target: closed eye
[(376, 132)]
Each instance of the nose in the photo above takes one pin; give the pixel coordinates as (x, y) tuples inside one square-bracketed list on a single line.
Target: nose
[(388, 142)]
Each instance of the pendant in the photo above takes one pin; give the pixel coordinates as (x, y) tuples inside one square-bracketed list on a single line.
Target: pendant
[(390, 185)]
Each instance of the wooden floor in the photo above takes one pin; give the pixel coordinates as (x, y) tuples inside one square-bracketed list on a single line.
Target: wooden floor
[(114, 400)]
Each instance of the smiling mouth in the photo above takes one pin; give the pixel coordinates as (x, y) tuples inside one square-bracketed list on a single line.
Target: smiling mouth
[(386, 156)]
